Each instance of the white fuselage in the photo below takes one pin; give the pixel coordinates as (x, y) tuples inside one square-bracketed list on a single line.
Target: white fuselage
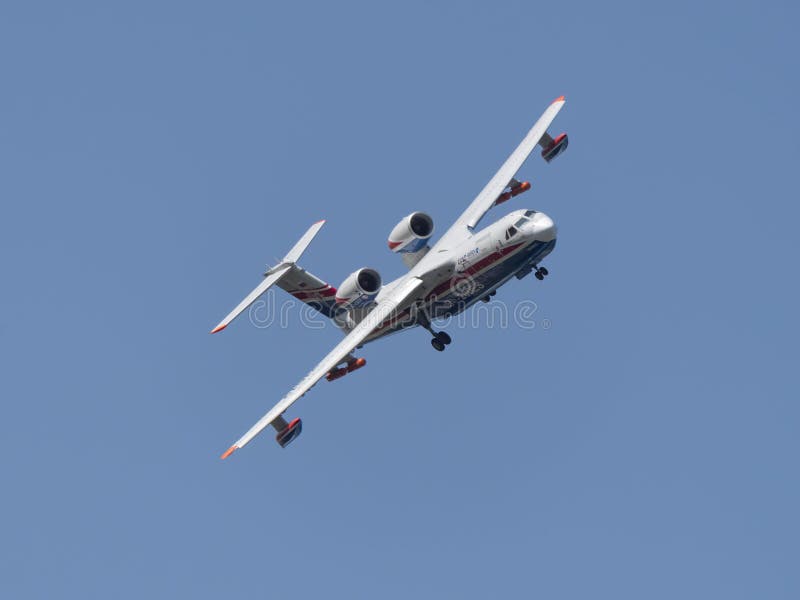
[(457, 277)]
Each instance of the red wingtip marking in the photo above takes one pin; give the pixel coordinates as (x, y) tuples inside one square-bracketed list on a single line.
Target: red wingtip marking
[(559, 99), (229, 451), (320, 221), (218, 328)]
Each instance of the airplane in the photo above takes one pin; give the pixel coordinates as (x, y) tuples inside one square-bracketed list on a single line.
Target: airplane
[(466, 265)]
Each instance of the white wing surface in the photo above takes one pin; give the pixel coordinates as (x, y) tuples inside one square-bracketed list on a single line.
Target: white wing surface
[(395, 298), (485, 200)]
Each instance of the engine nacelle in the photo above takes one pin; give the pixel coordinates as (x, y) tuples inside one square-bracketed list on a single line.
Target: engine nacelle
[(411, 234), (359, 289)]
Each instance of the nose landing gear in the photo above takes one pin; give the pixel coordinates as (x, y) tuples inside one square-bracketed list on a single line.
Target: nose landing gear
[(541, 273)]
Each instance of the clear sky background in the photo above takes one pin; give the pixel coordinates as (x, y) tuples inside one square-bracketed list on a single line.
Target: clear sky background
[(156, 157)]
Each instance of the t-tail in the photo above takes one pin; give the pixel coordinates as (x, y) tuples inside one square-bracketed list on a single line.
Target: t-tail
[(279, 274)]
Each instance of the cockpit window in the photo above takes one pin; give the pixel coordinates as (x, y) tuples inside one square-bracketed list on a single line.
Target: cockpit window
[(521, 222), (511, 232), (530, 213)]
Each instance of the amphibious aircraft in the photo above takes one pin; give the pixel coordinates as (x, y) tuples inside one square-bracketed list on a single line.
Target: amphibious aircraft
[(464, 266)]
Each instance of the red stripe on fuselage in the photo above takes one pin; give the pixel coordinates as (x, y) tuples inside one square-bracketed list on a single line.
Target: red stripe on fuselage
[(482, 265), (326, 291)]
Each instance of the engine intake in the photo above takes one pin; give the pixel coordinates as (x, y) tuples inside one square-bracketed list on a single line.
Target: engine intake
[(359, 289), (411, 234)]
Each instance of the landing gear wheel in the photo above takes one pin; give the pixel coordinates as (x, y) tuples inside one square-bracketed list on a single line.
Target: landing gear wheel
[(485, 299), (544, 271), (444, 338), (539, 275), (437, 344)]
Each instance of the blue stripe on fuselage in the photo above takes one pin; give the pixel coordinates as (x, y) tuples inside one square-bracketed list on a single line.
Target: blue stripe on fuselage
[(453, 302)]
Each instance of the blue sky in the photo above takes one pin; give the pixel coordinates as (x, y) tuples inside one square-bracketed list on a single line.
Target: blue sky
[(156, 157)]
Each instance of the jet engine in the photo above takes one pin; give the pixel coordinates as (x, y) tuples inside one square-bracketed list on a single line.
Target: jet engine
[(359, 289), (411, 234)]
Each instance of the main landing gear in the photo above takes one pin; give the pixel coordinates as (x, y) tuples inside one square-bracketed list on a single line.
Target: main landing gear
[(440, 338), (541, 273)]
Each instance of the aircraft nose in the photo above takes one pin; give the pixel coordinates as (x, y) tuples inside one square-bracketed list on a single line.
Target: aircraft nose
[(544, 229)]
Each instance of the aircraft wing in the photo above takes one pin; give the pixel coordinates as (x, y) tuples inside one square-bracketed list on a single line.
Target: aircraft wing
[(486, 199), (396, 297)]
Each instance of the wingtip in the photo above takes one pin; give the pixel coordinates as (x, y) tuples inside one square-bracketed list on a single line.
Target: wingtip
[(218, 328), (559, 99), (229, 451), (320, 222)]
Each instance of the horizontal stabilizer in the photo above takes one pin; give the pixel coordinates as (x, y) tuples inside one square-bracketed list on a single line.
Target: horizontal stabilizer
[(268, 282), (272, 276), (297, 250)]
